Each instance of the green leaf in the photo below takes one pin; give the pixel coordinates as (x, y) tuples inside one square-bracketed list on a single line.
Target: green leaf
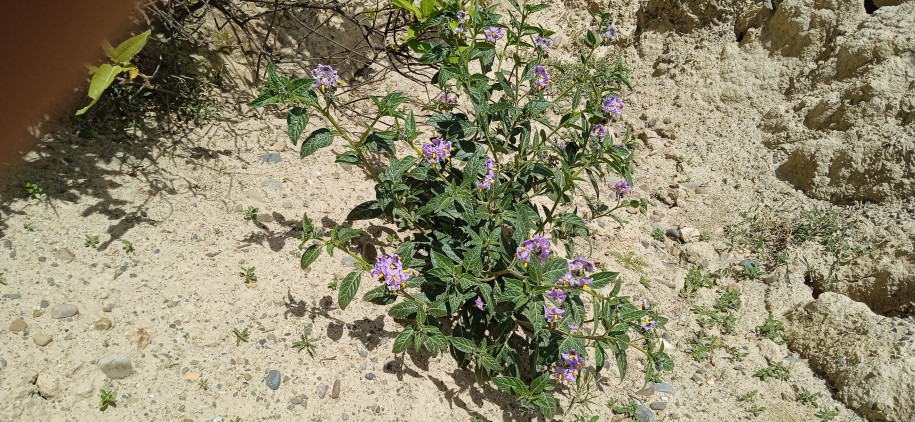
[(404, 309), (554, 270), (310, 255), (536, 7), (129, 48), (540, 383), (317, 140), (379, 296), (308, 229), (599, 356), (489, 362), (571, 343), (345, 234), (402, 342), (592, 38), (427, 7), (510, 385), (365, 211), (408, 5), (101, 80), (437, 54), (348, 157), (348, 288), (537, 106), (266, 98), (438, 309), (547, 404), (602, 279), (463, 344), (387, 105), (295, 123)]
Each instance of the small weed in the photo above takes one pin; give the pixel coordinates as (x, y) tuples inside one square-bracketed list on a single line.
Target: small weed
[(826, 415), (772, 330), (728, 324), (128, 246), (237, 419), (203, 384), (306, 343), (704, 236), (749, 397), (808, 397), (248, 275), (240, 336), (730, 300), (108, 398), (334, 283), (91, 241), (750, 272), (777, 371), (34, 190), (630, 261), (781, 258), (695, 280), (251, 213), (2, 279), (736, 354), (702, 345), (584, 391), (106, 343), (756, 410), (645, 282), (658, 234), (30, 226), (627, 409)]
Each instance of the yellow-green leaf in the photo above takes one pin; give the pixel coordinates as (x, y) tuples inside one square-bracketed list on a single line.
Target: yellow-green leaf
[(127, 49)]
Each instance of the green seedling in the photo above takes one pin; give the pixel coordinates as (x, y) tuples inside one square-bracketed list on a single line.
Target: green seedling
[(28, 225), (695, 280), (108, 398), (128, 246), (307, 343), (240, 336), (203, 384), (772, 330), (806, 396), (91, 241), (251, 213), (658, 234), (247, 274), (777, 371), (826, 415), (34, 190)]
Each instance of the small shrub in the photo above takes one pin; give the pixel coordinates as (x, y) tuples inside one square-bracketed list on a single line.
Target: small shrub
[(658, 234), (806, 396), (128, 246), (91, 241), (777, 371), (34, 190), (772, 330), (826, 415), (251, 213), (28, 225), (247, 274), (695, 280)]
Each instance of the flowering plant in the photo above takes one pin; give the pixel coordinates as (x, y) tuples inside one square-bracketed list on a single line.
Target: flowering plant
[(491, 271)]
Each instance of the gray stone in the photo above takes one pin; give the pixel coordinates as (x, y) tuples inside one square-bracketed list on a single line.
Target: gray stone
[(271, 158), (369, 376), (361, 349), (674, 233), (274, 379), (270, 183), (44, 304), (335, 392), (6, 243), (663, 387), (748, 263), (658, 405), (64, 254), (322, 390), (42, 339), (644, 414), (64, 310), (12, 296), (18, 326), (115, 365), (645, 392)]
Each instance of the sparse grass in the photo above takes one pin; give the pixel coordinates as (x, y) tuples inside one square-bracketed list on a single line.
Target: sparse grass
[(772, 330), (34, 190), (91, 241), (729, 301), (630, 261), (808, 397), (334, 283), (658, 234), (750, 397), (106, 343), (627, 409), (240, 336), (749, 272), (780, 258), (736, 354), (777, 371), (203, 384), (247, 274), (251, 213), (704, 236), (584, 392), (108, 398), (826, 415), (645, 282), (128, 246), (695, 280), (29, 226), (306, 343), (702, 345), (756, 409)]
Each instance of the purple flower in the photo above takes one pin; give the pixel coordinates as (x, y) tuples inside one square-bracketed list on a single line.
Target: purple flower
[(544, 44), (568, 280), (584, 282), (460, 31), (612, 105), (553, 315), (479, 303), (622, 188), (539, 246), (325, 77), (446, 99), (494, 33), (565, 375), (390, 270), (599, 131), (462, 16), (610, 35), (643, 304), (573, 360), (574, 327), (541, 77), (648, 324), (490, 176), (557, 295), (581, 264), (491, 165), (437, 151)]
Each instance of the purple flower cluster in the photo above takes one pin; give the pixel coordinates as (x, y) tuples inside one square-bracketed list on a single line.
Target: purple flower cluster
[(557, 295), (545, 45), (568, 371), (643, 304), (538, 246), (578, 274), (494, 33), (622, 188), (541, 77), (553, 314), (648, 324), (612, 105), (574, 327), (479, 303), (437, 151), (390, 270), (599, 131), (610, 35), (490, 176), (446, 99), (325, 77)]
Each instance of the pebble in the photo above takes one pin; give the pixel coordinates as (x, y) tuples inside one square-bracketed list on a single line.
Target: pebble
[(12, 296), (36, 313), (273, 379), (658, 405), (663, 387), (247, 377), (645, 392), (644, 414), (64, 310), (44, 304), (698, 378), (271, 158), (369, 376), (108, 308), (7, 244), (270, 183), (361, 349), (335, 392), (18, 326), (64, 254), (42, 339), (748, 263), (115, 365), (2, 363), (102, 325), (322, 390)]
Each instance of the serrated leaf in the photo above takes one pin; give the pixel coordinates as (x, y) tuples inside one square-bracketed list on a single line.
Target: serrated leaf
[(296, 121), (402, 342), (547, 404), (403, 310), (489, 362), (315, 141), (348, 288), (510, 385), (310, 255), (463, 344)]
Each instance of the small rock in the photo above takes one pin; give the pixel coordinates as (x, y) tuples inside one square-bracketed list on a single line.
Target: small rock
[(270, 183), (102, 325), (335, 392), (44, 304), (12, 296), (37, 313), (698, 378), (369, 376), (645, 392), (108, 308), (663, 387), (42, 339), (690, 234), (361, 350), (115, 365), (271, 158), (748, 263), (247, 377), (322, 390), (880, 406), (674, 233), (279, 146), (64, 254), (658, 405), (18, 326), (702, 191), (273, 379), (644, 414), (64, 310)]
